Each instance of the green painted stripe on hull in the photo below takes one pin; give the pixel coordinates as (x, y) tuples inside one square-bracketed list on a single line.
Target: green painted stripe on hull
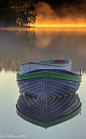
[(51, 70), (64, 119), (49, 74), (49, 123), (31, 75), (30, 120), (64, 76)]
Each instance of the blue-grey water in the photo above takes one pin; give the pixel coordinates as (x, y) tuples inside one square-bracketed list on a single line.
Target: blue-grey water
[(18, 45)]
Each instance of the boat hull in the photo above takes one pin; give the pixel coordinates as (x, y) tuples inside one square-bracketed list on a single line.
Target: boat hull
[(52, 84)]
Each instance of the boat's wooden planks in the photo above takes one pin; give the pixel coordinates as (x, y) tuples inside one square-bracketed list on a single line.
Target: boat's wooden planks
[(63, 110), (34, 91), (51, 103), (63, 80), (35, 108), (33, 104), (27, 89), (57, 91), (26, 85), (32, 80), (64, 113), (55, 87), (30, 111), (58, 106), (62, 84)]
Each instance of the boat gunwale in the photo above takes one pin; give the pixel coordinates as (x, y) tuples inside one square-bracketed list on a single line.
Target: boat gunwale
[(50, 74)]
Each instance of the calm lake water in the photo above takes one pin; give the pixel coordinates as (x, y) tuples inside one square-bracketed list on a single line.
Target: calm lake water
[(18, 45)]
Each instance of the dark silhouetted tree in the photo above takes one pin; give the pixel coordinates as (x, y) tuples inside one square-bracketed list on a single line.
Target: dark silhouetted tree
[(25, 11), (17, 6), (31, 14), (17, 12)]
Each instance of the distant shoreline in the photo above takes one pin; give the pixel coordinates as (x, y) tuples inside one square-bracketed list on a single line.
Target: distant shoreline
[(17, 27)]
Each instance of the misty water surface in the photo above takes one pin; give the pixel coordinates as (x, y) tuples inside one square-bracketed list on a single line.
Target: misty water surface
[(18, 45)]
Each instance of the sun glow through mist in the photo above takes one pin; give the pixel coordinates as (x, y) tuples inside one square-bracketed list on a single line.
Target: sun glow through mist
[(67, 16), (59, 25)]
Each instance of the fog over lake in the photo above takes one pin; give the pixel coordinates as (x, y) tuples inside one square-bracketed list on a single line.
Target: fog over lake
[(18, 45)]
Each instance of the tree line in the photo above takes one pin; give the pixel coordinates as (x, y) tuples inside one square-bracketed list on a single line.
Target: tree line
[(17, 12)]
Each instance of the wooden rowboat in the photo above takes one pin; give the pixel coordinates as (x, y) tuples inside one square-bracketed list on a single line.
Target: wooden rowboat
[(46, 64), (48, 112), (52, 82)]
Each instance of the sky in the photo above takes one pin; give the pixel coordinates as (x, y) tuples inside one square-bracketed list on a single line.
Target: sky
[(61, 12), (48, 12)]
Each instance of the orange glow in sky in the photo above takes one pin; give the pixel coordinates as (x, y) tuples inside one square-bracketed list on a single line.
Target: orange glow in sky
[(59, 25)]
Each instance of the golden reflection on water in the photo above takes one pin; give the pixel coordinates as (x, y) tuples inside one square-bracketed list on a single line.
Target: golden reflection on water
[(36, 44)]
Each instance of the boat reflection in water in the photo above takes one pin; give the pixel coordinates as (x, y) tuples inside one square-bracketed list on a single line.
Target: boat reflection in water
[(48, 111)]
